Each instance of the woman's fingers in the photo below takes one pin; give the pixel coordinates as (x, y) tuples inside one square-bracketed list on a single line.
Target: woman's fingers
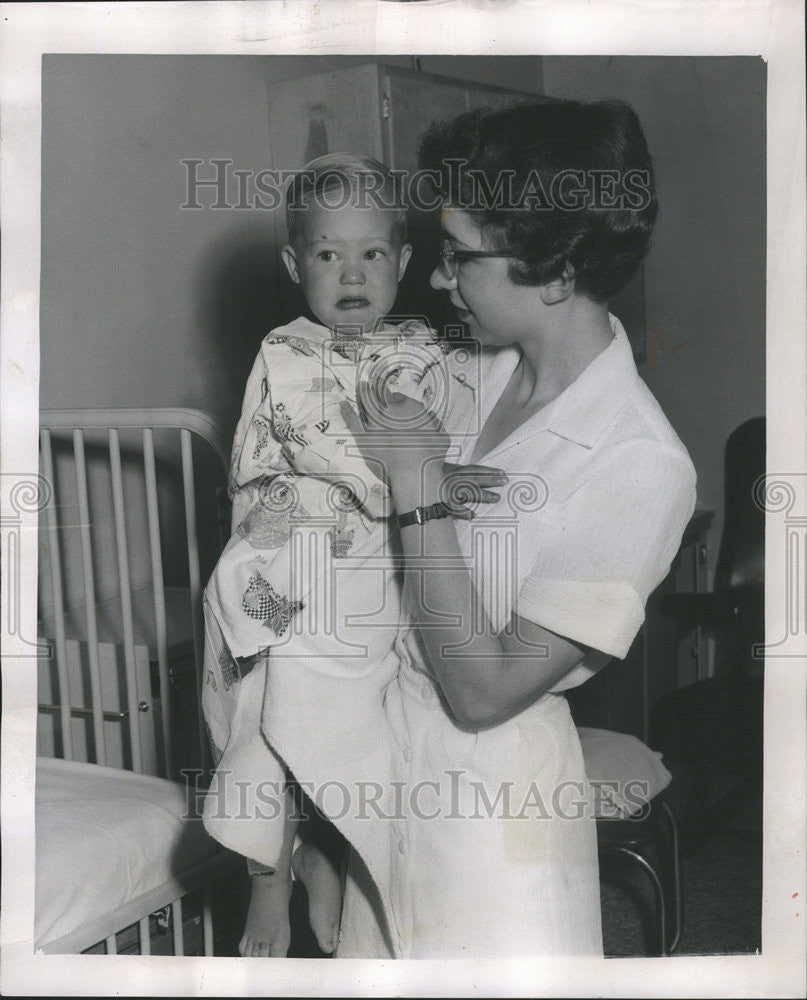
[(472, 483), (488, 496), (463, 493), (483, 475), (462, 513)]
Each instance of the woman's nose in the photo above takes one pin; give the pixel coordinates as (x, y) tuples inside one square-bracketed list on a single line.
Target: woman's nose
[(439, 281)]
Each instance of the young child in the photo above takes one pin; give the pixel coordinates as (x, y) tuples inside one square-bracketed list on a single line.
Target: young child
[(303, 500)]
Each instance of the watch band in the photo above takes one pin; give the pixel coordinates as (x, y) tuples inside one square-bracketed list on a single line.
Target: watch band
[(421, 514)]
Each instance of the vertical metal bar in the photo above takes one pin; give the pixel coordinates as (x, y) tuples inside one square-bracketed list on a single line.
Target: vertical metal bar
[(194, 575), (89, 596), (159, 595), (58, 601), (176, 927), (145, 936), (676, 874), (125, 599), (111, 945), (207, 921)]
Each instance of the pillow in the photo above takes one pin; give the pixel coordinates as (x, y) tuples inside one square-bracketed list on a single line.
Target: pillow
[(624, 773)]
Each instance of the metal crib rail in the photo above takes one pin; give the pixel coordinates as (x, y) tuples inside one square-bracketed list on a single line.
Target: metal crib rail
[(189, 425)]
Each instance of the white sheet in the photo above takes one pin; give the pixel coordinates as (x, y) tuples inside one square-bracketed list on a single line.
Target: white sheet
[(627, 774), (103, 837)]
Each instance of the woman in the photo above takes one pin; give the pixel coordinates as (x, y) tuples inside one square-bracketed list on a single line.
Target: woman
[(547, 211)]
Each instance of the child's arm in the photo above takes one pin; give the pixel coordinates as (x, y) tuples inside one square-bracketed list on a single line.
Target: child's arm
[(254, 452), (302, 411)]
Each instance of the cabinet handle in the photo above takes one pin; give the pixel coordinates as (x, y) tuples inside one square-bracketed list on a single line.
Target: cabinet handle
[(385, 107)]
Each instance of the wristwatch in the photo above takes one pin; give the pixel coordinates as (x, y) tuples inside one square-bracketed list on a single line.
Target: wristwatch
[(421, 514)]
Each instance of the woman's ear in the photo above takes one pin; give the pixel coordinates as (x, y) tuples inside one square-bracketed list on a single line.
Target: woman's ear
[(403, 260), (290, 260), (560, 289)]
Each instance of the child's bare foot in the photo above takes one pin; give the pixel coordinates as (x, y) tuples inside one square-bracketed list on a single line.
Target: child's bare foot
[(324, 885), (268, 931)]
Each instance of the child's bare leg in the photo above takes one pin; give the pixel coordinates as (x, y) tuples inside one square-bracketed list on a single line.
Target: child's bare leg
[(317, 862), (268, 931)]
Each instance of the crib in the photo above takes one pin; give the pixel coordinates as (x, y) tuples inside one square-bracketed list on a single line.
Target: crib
[(137, 517)]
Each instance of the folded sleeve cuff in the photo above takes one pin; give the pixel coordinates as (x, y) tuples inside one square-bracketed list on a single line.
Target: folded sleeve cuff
[(605, 615)]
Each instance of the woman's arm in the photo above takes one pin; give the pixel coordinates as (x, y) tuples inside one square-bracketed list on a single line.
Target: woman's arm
[(485, 676)]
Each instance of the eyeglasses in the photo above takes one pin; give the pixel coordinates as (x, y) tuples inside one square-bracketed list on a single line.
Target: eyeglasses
[(449, 257)]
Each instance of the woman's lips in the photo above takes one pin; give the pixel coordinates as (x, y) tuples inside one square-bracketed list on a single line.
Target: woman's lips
[(357, 302)]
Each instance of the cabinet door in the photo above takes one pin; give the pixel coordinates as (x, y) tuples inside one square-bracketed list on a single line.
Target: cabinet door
[(327, 113), (410, 104)]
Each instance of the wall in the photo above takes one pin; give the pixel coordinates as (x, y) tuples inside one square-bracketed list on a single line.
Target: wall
[(145, 303), (705, 276)]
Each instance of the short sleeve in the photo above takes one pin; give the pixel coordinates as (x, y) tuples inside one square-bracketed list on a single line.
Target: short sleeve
[(613, 542)]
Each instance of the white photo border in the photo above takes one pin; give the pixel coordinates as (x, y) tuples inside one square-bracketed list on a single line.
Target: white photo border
[(773, 29)]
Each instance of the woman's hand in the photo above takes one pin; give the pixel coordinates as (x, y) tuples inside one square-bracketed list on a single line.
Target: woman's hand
[(463, 484), (405, 445)]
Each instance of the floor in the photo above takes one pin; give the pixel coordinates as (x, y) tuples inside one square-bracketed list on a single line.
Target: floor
[(722, 898)]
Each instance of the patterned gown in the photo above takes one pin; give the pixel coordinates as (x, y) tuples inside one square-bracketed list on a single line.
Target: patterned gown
[(302, 609)]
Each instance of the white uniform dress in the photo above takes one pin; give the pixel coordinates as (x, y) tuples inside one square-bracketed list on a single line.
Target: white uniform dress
[(491, 843)]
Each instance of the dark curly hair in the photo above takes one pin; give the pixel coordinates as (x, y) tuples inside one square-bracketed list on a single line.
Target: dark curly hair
[(557, 181)]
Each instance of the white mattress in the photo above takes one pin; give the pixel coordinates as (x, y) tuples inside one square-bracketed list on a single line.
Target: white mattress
[(103, 837)]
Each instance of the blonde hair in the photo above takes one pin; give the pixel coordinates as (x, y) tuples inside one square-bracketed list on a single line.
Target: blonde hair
[(344, 172)]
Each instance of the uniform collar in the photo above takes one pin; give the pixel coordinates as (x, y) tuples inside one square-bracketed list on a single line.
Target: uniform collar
[(585, 409)]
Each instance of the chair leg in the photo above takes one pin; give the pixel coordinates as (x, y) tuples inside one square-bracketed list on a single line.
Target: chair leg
[(677, 900), (658, 892)]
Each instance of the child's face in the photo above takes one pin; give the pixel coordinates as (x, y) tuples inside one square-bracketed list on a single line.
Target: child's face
[(348, 262)]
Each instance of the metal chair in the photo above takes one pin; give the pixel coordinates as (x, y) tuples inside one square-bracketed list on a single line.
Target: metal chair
[(635, 823), (710, 732)]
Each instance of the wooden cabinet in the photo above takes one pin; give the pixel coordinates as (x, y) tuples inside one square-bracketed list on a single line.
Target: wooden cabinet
[(374, 110)]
